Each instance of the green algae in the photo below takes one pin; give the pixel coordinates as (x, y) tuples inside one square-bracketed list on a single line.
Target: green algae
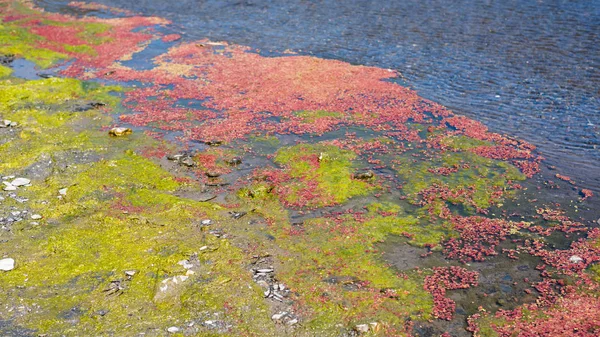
[(336, 269), (119, 213), (463, 143), (19, 41), (5, 71), (329, 166), (333, 266), (483, 175), (311, 116), (43, 108)]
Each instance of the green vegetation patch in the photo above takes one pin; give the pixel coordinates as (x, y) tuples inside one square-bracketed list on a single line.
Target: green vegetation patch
[(320, 175)]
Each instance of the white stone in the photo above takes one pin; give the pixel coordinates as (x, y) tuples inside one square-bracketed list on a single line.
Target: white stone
[(279, 316), (20, 182), (7, 264), (63, 191), (362, 328), (9, 187), (13, 124), (36, 217), (203, 248), (206, 222), (575, 259), (6, 123), (173, 329), (185, 264), (130, 272)]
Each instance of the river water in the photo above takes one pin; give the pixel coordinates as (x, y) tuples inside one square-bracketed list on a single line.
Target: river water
[(526, 68)]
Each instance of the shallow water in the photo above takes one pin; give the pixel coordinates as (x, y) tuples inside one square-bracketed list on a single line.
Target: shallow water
[(526, 68)]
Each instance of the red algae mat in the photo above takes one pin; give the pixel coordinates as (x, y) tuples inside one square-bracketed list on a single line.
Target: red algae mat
[(336, 158)]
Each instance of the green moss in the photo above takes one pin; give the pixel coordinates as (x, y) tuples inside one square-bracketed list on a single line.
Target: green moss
[(313, 116), (5, 71), (463, 143), (81, 49), (119, 213), (20, 42), (483, 175), (329, 166), (43, 108), (338, 274)]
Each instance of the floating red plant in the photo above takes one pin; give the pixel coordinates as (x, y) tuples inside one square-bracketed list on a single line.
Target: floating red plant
[(448, 278)]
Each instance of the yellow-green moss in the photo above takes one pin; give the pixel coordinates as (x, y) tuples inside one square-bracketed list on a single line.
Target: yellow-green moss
[(5, 71), (482, 174), (119, 213), (20, 42), (333, 173)]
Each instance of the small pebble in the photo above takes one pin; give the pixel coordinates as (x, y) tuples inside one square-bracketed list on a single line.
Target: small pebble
[(173, 329), (63, 191), (36, 217), (575, 259), (7, 264), (9, 187), (362, 328), (206, 222), (279, 316)]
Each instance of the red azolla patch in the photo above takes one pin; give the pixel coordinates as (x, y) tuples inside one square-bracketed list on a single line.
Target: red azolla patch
[(448, 278), (575, 314), (478, 237), (171, 37), (529, 168), (586, 194), (565, 178)]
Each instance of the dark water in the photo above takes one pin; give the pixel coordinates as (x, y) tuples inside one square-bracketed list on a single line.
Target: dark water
[(526, 68)]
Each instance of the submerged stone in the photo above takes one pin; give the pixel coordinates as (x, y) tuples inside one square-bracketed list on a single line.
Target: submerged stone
[(234, 161), (364, 175)]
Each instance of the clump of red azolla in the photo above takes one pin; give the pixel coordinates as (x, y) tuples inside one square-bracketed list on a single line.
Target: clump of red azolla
[(448, 278), (565, 178), (478, 237), (586, 194), (575, 314)]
